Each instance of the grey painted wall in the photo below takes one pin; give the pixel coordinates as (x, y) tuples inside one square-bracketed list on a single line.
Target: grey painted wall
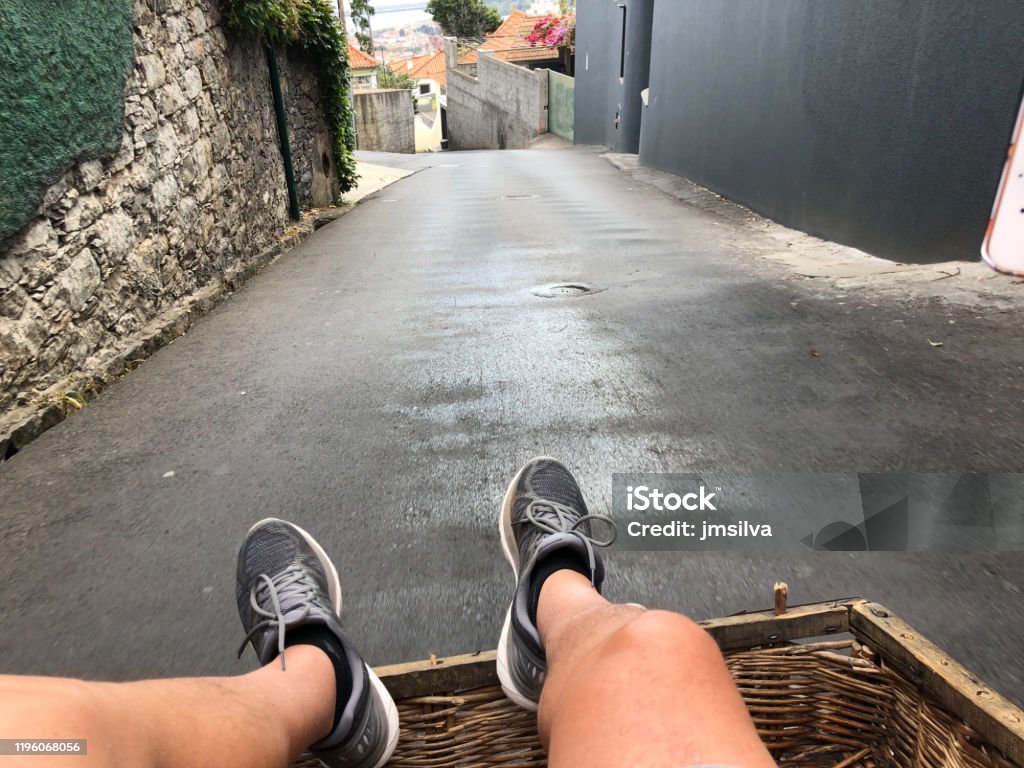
[(503, 107), (879, 124), (600, 93), (385, 121)]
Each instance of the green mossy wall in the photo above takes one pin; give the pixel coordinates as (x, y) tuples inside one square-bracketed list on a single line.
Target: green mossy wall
[(63, 65)]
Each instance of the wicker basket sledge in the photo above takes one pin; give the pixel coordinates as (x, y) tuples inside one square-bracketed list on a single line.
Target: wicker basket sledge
[(837, 684)]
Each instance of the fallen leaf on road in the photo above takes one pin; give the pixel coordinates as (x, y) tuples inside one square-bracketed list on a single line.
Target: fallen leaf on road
[(935, 343), (814, 352)]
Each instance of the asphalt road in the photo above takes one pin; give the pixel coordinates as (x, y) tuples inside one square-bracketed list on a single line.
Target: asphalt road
[(380, 384)]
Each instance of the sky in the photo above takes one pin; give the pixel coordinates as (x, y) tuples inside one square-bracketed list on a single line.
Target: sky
[(384, 19)]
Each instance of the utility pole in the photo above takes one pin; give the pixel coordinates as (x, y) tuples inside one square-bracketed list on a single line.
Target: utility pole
[(369, 30)]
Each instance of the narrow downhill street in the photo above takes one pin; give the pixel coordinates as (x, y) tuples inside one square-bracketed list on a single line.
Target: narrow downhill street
[(381, 383)]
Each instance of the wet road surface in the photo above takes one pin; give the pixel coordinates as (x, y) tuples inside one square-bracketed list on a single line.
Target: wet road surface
[(381, 383)]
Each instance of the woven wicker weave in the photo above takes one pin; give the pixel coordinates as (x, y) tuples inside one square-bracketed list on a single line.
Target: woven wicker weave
[(816, 704)]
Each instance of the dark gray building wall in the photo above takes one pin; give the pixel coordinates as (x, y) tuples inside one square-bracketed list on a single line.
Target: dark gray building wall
[(882, 125), (503, 107), (385, 121), (601, 95)]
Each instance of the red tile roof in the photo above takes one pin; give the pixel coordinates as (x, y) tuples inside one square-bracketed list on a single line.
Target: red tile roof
[(357, 59), (432, 66), (518, 24), (429, 67), (508, 41), (408, 64)]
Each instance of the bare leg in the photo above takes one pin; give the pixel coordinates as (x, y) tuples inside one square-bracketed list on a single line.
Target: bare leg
[(264, 718), (629, 687)]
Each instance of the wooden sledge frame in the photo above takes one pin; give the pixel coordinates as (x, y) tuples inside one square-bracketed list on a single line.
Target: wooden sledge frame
[(898, 644)]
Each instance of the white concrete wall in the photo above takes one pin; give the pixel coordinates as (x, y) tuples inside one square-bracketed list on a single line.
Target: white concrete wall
[(428, 132), (384, 121)]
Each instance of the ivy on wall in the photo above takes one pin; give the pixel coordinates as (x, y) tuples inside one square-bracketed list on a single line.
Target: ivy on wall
[(64, 64), (312, 25)]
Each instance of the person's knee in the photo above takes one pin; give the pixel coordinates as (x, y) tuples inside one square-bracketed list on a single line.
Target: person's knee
[(656, 632)]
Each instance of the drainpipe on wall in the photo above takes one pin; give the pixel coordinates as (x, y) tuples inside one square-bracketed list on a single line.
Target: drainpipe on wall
[(282, 131)]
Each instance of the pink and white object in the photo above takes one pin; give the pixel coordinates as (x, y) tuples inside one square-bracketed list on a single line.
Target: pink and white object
[(1003, 248)]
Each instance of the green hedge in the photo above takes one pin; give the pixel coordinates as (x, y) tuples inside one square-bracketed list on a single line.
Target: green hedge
[(61, 94), (64, 64)]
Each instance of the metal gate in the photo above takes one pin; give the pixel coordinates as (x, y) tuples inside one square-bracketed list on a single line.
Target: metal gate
[(561, 109)]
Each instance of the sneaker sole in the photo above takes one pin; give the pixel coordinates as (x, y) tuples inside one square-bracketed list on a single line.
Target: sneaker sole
[(394, 729), (334, 590), (512, 555)]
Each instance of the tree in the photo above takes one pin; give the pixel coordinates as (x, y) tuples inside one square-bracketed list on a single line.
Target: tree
[(505, 7), (361, 13), (464, 18), (388, 78)]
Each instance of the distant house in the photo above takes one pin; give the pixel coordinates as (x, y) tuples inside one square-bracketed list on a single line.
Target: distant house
[(428, 71), (508, 43), (431, 83), (362, 69)]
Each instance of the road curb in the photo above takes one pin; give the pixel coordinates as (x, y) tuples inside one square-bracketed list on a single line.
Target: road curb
[(828, 264), (23, 424)]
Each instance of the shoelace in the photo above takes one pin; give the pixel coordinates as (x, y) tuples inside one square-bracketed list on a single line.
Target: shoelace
[(291, 583), (552, 517)]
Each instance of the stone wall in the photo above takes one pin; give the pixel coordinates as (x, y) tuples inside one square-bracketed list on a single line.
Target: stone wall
[(503, 107), (193, 194), (310, 140), (385, 121)]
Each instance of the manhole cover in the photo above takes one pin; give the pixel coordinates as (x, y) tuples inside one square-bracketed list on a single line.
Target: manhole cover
[(518, 197), (565, 290)]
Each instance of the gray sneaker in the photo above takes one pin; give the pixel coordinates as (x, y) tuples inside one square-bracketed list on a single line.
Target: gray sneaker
[(543, 511), (285, 580)]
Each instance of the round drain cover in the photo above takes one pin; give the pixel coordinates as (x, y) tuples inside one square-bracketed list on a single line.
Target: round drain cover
[(564, 290)]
